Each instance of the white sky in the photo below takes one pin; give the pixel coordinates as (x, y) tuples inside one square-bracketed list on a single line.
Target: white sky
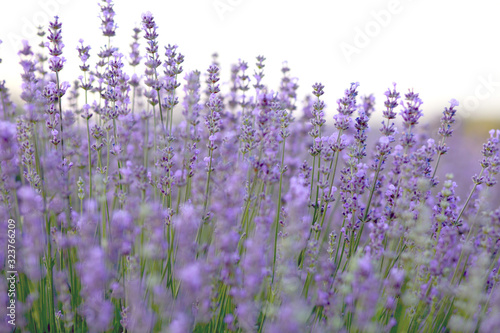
[(443, 49)]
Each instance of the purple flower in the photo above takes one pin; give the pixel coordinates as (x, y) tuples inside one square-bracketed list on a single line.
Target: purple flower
[(55, 46), (445, 130), (33, 242), (411, 112), (83, 54), (8, 144), (108, 25), (56, 63), (135, 57), (346, 107)]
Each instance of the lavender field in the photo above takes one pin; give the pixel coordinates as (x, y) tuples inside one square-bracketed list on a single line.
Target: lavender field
[(144, 197)]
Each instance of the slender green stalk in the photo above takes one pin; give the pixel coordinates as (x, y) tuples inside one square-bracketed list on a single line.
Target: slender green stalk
[(312, 182), (89, 159), (439, 159), (49, 262), (277, 219), (469, 235), (60, 116), (469, 197), (367, 209), (89, 151), (207, 185), (155, 150), (117, 160), (133, 97), (146, 142), (334, 164)]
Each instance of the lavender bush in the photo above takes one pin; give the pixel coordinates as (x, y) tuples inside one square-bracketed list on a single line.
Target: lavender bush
[(155, 202)]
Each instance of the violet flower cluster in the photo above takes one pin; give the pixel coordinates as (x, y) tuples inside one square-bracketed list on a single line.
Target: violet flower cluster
[(157, 201)]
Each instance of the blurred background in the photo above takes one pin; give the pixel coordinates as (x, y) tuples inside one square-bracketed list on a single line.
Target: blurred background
[(441, 49)]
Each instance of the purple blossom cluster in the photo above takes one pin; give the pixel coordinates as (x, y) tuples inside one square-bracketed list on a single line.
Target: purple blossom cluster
[(156, 201)]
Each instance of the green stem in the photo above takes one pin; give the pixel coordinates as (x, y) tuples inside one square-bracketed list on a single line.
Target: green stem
[(88, 140), (312, 182), (60, 116), (470, 196), (90, 160), (277, 220), (50, 286), (367, 209), (207, 185), (439, 158)]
